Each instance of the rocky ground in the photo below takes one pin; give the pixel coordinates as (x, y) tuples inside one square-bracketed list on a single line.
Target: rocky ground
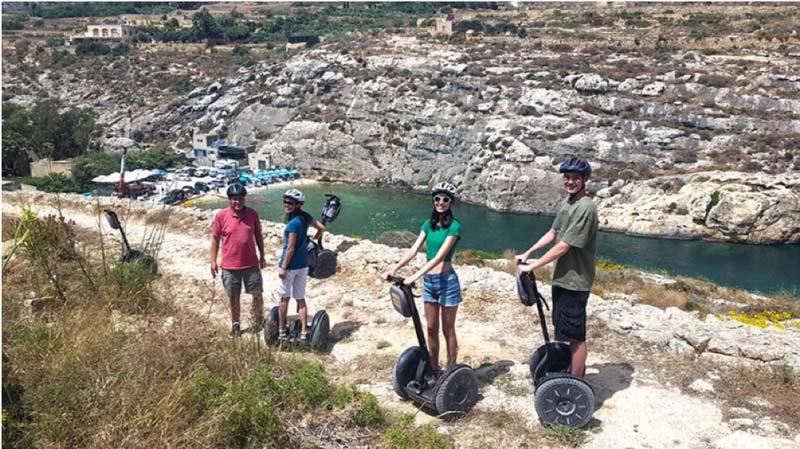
[(690, 135), (665, 378)]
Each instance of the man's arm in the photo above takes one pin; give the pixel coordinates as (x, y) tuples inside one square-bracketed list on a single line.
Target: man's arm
[(545, 240), (214, 251), (260, 245), (558, 250)]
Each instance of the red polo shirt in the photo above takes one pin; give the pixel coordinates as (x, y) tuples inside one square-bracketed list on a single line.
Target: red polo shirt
[(238, 237)]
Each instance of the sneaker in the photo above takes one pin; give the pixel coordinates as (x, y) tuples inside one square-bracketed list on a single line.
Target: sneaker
[(236, 331), (304, 338), (283, 334)]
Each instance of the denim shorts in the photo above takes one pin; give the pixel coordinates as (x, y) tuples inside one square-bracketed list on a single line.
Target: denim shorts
[(442, 288)]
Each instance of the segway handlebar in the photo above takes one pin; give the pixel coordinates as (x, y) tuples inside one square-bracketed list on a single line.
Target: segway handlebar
[(398, 280)]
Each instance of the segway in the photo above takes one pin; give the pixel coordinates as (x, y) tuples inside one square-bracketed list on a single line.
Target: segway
[(560, 397), (454, 393), (317, 331), (130, 255), (321, 261)]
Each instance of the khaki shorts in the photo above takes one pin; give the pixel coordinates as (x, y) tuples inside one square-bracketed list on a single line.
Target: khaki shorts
[(232, 281), (294, 284)]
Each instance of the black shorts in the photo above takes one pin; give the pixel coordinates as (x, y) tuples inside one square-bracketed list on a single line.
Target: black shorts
[(569, 314)]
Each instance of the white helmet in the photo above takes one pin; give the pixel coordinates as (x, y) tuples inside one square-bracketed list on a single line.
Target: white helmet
[(295, 195), (444, 187)]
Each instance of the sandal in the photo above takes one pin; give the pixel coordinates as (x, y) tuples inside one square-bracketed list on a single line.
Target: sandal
[(303, 338), (283, 334)]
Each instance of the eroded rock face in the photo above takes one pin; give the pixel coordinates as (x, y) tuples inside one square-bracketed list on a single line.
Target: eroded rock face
[(753, 208), (411, 112)]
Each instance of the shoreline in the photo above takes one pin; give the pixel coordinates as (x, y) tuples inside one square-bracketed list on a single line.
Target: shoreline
[(212, 195)]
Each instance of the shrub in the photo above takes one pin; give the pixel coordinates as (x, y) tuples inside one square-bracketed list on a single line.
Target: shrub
[(565, 435), (183, 86), (54, 41), (402, 435), (13, 22), (474, 257), (240, 51), (56, 182), (92, 49)]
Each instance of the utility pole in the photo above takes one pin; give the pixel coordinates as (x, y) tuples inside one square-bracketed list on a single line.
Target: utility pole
[(122, 187)]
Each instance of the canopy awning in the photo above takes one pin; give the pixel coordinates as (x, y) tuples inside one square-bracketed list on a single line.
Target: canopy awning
[(131, 176)]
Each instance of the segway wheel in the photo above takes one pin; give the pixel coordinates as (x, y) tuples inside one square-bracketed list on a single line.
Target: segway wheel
[(326, 264), (565, 400), (320, 328), (457, 393), (558, 361), (405, 369), (271, 328)]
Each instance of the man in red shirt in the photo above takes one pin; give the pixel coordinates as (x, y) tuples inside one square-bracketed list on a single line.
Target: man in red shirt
[(239, 228)]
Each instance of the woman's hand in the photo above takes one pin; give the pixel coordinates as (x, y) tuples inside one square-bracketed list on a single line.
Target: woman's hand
[(389, 273)]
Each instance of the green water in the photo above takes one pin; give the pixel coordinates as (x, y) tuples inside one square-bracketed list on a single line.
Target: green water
[(368, 212)]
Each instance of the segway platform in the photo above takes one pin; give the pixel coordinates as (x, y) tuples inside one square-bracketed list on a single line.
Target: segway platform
[(560, 397), (317, 332), (454, 393)]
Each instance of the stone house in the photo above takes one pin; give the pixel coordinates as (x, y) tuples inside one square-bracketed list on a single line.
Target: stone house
[(46, 167), (444, 25), (208, 150), (106, 31)]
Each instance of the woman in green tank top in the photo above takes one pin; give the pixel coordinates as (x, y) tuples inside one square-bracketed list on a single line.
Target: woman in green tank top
[(441, 288)]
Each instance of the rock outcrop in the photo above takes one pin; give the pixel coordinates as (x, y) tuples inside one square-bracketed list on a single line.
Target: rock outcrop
[(411, 112)]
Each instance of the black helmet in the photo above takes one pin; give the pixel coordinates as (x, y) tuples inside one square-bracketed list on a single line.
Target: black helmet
[(574, 164), (236, 189)]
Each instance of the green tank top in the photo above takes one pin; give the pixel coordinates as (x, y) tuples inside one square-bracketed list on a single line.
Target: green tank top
[(435, 239)]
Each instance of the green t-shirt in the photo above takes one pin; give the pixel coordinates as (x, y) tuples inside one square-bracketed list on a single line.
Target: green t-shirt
[(576, 225), (435, 239)]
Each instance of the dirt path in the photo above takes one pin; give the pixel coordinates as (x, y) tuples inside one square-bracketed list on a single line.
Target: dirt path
[(495, 334)]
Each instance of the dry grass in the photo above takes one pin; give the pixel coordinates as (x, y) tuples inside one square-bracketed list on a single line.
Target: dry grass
[(91, 370), (507, 431)]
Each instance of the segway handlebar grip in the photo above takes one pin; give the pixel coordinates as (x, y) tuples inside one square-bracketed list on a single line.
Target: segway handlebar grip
[(398, 280)]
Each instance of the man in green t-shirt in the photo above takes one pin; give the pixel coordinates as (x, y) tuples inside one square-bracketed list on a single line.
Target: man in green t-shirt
[(575, 229)]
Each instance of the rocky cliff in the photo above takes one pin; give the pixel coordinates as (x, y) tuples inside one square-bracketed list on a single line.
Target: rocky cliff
[(683, 144)]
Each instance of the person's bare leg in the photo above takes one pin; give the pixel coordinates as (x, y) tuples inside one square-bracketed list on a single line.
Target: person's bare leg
[(449, 329), (579, 351), (235, 314), (257, 311), (283, 309), (432, 318), (302, 310)]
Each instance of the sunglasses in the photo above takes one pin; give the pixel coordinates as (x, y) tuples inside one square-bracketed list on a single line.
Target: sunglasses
[(289, 203), (441, 199)]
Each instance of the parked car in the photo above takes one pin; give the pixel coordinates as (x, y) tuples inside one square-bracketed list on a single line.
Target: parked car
[(200, 186), (174, 197)]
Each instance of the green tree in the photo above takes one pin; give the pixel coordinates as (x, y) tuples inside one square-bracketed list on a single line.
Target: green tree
[(60, 135), (160, 158), (92, 165), (16, 128), (204, 26)]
